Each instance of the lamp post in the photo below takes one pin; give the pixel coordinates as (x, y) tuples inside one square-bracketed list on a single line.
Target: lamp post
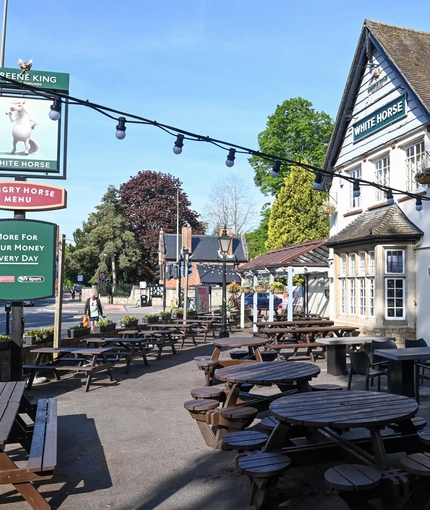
[(224, 241)]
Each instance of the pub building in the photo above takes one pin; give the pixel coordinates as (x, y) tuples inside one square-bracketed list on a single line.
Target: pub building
[(379, 242)]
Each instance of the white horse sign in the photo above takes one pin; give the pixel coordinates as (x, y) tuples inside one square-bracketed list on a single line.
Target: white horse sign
[(29, 139)]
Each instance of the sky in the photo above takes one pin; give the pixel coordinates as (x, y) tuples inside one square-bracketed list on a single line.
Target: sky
[(216, 68)]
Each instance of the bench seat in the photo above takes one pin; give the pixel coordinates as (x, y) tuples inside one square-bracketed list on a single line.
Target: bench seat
[(42, 458)]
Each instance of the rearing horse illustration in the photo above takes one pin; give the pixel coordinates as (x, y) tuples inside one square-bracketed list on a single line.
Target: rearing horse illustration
[(23, 127)]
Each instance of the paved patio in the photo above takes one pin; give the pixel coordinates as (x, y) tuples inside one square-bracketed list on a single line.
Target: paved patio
[(131, 445)]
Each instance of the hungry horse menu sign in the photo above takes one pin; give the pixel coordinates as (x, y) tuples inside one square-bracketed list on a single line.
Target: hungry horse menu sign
[(31, 196), (27, 259)]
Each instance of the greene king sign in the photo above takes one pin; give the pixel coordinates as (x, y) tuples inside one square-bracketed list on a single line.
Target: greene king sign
[(27, 259), (31, 196)]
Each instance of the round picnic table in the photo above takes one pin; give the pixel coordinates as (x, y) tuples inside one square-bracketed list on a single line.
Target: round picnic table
[(344, 410), (252, 342), (266, 373)]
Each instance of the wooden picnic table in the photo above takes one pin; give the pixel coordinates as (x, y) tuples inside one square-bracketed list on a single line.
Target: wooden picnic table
[(309, 334), (324, 413), (181, 331), (87, 360), (336, 350), (214, 421), (235, 342), (205, 325), (37, 435), (128, 348), (160, 338)]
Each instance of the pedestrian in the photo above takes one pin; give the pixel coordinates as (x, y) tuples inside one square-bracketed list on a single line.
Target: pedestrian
[(73, 291), (94, 310)]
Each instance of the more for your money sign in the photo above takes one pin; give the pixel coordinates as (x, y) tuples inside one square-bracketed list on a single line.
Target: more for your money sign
[(27, 259)]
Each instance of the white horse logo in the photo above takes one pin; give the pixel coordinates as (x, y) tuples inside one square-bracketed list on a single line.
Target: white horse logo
[(23, 127)]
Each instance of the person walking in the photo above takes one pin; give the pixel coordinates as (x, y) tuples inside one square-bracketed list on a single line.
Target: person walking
[(94, 310)]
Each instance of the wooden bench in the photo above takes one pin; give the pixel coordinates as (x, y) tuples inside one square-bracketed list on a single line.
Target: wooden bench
[(263, 470), (159, 344), (211, 392), (244, 440), (278, 346), (42, 458)]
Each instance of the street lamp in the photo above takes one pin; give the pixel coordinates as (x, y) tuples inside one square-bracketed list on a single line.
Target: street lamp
[(224, 241)]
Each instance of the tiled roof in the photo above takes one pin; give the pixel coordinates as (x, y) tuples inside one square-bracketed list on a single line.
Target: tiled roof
[(409, 51), (311, 254), (204, 248), (384, 224)]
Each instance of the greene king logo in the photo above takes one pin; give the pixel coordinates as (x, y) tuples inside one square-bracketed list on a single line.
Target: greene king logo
[(31, 279)]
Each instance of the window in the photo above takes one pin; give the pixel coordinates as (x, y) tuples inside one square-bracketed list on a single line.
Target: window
[(394, 287), (352, 264), (351, 296), (343, 296), (382, 175), (415, 162), (395, 298), (362, 297), (362, 263), (394, 262), (371, 287), (343, 264), (371, 259), (354, 201)]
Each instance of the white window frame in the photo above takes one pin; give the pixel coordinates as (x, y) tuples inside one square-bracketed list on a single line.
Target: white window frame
[(382, 175), (362, 297), (352, 297), (415, 157), (352, 264), (371, 262), (354, 202), (395, 284), (371, 293), (343, 296), (361, 263), (342, 270)]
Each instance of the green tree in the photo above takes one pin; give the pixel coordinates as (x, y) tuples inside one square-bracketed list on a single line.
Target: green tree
[(256, 240), (296, 215), (296, 132), (104, 244), (150, 201)]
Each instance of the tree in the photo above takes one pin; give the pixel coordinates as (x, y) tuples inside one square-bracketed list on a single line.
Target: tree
[(230, 204), (296, 213), (105, 244), (256, 240), (296, 132), (150, 201)]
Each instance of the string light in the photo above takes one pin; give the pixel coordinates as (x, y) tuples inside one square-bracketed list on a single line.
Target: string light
[(120, 128), (55, 111), (276, 169), (318, 185), (177, 148), (419, 204), (356, 189), (390, 198), (181, 134), (230, 158)]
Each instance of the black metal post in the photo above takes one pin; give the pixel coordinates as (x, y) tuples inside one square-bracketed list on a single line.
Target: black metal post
[(223, 332)]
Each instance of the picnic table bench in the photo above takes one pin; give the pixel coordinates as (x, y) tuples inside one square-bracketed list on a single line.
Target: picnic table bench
[(86, 360), (126, 348), (42, 451)]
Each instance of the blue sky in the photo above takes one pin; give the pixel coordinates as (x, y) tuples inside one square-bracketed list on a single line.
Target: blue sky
[(212, 67)]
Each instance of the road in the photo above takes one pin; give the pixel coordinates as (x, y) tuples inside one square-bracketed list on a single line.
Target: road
[(42, 314)]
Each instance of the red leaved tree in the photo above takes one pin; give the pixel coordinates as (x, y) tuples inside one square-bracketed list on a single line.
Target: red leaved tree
[(150, 201)]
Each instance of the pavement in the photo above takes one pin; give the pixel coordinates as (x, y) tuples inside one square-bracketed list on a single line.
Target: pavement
[(130, 445)]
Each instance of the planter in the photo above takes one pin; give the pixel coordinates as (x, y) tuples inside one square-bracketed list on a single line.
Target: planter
[(105, 329), (5, 345), (74, 333), (423, 178), (278, 291), (261, 289), (129, 324), (29, 339)]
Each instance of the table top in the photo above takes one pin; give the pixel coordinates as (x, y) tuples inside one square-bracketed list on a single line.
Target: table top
[(110, 340), (299, 323), (268, 372), (10, 398), (342, 409), (309, 329), (155, 332), (241, 341), (77, 350), (353, 340), (404, 354)]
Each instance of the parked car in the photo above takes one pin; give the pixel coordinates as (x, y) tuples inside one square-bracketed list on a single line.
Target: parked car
[(28, 302), (262, 300)]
